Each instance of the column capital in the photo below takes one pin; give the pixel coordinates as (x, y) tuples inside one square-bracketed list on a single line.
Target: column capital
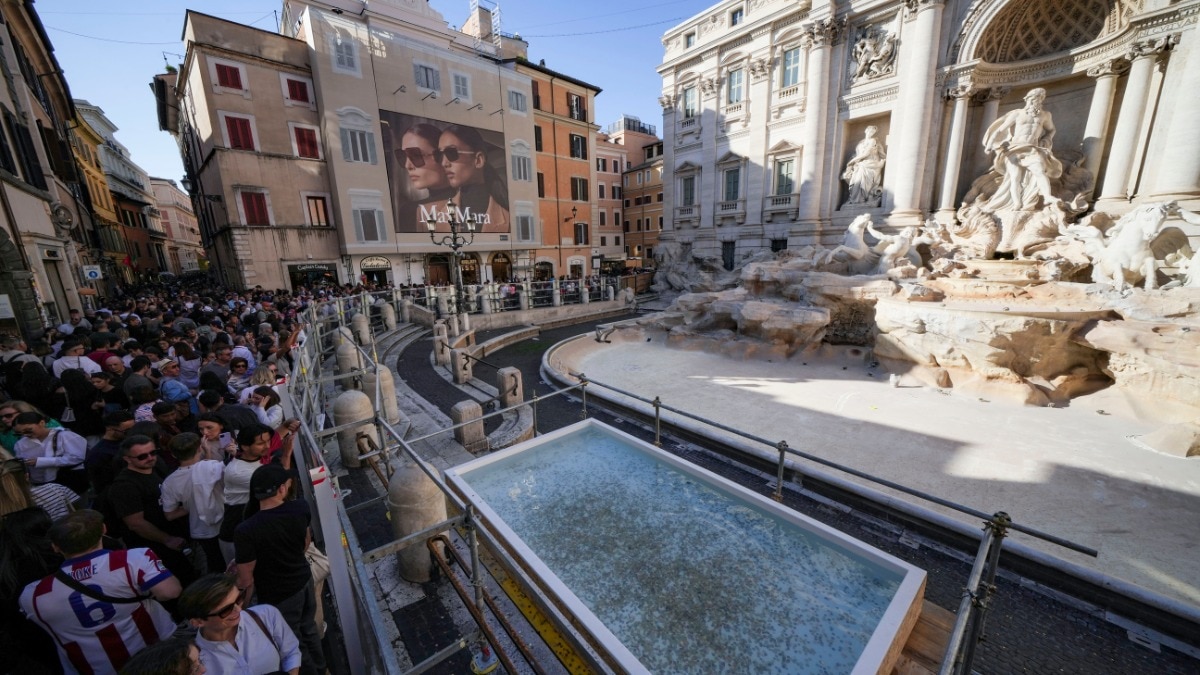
[(914, 7), (960, 91), (667, 101), (1152, 48), (991, 94), (825, 32), (1111, 67)]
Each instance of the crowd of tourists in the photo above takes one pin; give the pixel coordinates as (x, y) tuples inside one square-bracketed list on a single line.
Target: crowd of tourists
[(148, 493)]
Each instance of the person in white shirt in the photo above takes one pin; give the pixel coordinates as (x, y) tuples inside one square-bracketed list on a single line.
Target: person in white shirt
[(236, 639), (74, 355), (197, 490), (46, 451)]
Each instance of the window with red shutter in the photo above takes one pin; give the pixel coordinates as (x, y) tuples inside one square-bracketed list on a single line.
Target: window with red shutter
[(255, 206), (229, 77), (306, 143), (240, 136), (297, 90)]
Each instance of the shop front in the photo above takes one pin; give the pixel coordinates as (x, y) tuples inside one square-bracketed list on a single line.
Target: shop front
[(312, 275), (376, 270)]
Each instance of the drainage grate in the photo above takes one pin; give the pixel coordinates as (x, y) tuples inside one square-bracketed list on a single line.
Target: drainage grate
[(426, 627)]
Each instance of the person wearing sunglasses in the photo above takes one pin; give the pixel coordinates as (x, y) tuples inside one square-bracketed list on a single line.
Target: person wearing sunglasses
[(427, 184), (479, 190), (234, 638), (135, 498), (101, 639)]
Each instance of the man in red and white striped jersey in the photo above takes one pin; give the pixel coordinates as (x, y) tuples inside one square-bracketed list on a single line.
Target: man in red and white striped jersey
[(111, 610)]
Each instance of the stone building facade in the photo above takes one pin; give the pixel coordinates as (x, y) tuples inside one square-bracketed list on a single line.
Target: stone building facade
[(184, 251), (642, 190), (767, 102), (611, 159), (327, 153)]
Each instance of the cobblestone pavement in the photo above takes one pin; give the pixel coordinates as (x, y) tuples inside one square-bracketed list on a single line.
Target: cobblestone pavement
[(1026, 631)]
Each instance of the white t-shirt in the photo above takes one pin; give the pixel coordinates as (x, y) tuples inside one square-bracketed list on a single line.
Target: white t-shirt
[(94, 636), (200, 489), (237, 480), (81, 362)]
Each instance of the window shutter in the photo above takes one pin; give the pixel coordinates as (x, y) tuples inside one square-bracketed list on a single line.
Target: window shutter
[(346, 140), (358, 224), (381, 233), (369, 138), (437, 84)]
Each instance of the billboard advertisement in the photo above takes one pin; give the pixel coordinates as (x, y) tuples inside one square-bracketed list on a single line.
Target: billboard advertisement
[(431, 161)]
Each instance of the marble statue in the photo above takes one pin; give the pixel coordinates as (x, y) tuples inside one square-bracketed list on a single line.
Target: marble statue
[(1123, 257), (854, 250), (864, 171), (1022, 141), (874, 56)]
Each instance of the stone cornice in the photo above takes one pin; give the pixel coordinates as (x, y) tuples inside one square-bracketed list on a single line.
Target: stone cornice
[(883, 95)]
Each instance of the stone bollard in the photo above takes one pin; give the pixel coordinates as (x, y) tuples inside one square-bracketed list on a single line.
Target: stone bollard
[(471, 436), (487, 295), (441, 344), (389, 316), (406, 311), (415, 503), (610, 293), (464, 323), (343, 335), (361, 325), (556, 293), (461, 365), (349, 359), (585, 293), (470, 297), (523, 296), (352, 406), (387, 392), (442, 304), (508, 383)]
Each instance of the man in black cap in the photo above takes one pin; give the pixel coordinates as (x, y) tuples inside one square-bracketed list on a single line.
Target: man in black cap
[(269, 549)]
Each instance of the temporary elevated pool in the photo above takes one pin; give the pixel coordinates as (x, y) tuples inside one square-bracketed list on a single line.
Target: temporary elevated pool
[(671, 569)]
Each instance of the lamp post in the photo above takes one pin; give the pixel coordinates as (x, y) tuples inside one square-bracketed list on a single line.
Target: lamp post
[(569, 219), (455, 241)]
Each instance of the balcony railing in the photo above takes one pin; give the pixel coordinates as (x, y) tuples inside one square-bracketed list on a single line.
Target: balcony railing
[(775, 205), (733, 208)]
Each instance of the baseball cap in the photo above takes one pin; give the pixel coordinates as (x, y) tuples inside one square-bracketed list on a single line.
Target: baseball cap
[(266, 480)]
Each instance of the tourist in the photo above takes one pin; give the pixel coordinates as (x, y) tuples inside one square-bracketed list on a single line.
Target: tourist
[(189, 362), (8, 414), (139, 375), (40, 389), (16, 492), (228, 642), (53, 455), (26, 555), (254, 442), (219, 365), (85, 402), (74, 355), (135, 498), (196, 490), (239, 375), (103, 461), (171, 387), (112, 395), (173, 656), (266, 405), (270, 548), (215, 442), (265, 376), (100, 642)]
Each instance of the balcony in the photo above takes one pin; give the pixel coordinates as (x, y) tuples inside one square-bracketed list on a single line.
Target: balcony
[(782, 206), (687, 214), (734, 209)]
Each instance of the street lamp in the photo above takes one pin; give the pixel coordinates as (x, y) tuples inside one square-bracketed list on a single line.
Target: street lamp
[(455, 241), (568, 219)]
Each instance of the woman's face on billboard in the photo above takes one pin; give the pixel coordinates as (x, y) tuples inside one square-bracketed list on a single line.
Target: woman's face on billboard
[(423, 172), (462, 163)]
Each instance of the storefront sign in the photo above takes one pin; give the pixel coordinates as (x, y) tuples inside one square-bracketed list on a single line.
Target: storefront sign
[(313, 267), (375, 262)]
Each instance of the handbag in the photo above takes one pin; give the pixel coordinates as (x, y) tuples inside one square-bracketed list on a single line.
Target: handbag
[(318, 563), (68, 413)]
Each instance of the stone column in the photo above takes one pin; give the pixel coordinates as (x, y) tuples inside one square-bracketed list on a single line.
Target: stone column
[(1095, 134), (991, 105), (1181, 154), (961, 95), (916, 109), (820, 37), (1142, 56)]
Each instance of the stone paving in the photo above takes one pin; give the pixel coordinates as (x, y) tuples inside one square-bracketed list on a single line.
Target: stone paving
[(1027, 631)]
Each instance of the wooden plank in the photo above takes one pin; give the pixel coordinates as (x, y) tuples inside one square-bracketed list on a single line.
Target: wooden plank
[(926, 644)]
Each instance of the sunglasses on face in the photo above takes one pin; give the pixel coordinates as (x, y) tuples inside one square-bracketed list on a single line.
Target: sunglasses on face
[(415, 157), (224, 612), (241, 365), (144, 455), (451, 154)]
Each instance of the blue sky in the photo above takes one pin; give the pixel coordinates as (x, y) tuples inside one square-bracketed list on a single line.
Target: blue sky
[(110, 50)]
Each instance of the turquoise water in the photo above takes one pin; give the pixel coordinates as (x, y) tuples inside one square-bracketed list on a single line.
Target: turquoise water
[(688, 578)]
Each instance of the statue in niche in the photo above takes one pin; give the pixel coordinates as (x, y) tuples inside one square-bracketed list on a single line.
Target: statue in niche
[(1022, 140), (1030, 195), (874, 55), (864, 171)]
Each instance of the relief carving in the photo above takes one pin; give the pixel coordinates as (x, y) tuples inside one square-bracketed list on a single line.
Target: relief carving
[(874, 54)]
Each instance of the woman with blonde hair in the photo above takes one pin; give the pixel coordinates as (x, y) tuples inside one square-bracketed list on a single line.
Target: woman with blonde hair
[(264, 376), (16, 493), (8, 436)]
